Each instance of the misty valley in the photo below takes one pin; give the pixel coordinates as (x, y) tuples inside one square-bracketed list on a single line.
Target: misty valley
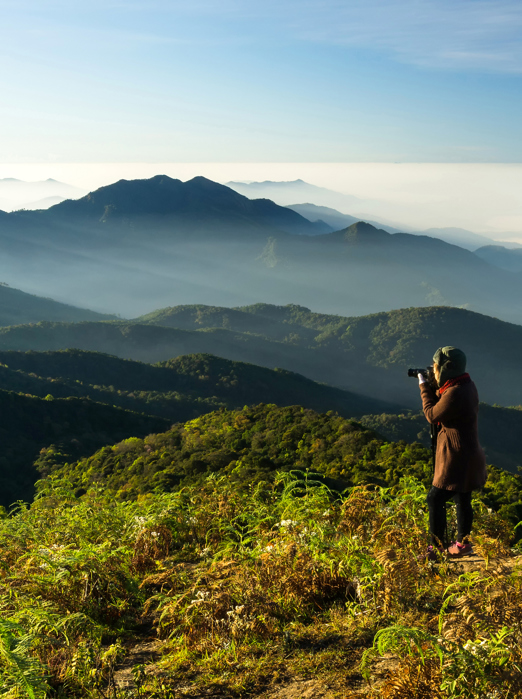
[(135, 246)]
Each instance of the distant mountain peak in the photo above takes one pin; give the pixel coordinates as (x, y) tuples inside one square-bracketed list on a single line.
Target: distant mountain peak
[(198, 202), (365, 231)]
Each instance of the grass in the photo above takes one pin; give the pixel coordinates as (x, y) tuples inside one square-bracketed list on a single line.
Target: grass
[(247, 588)]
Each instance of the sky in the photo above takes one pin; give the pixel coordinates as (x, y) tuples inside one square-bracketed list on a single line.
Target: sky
[(322, 81)]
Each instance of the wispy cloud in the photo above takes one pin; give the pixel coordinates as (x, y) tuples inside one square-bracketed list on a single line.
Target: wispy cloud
[(483, 35)]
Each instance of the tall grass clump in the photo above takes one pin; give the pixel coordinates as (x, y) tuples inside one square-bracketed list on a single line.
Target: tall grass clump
[(241, 587)]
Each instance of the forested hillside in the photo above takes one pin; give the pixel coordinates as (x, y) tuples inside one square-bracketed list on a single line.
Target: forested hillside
[(251, 445), (238, 551), (177, 389), (368, 355), (499, 432), (57, 430), (192, 385)]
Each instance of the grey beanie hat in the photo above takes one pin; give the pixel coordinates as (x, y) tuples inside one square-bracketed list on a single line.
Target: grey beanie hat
[(452, 363)]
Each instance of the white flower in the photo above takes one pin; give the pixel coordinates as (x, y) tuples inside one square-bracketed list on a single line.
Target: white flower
[(287, 523)]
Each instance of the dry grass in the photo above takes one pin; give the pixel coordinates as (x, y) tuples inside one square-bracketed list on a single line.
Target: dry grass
[(245, 594)]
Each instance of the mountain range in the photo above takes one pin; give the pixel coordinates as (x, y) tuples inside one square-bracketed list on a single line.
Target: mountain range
[(61, 406), (297, 191), (18, 194), (334, 220), (138, 245), (368, 355), (501, 256), (326, 203), (178, 389)]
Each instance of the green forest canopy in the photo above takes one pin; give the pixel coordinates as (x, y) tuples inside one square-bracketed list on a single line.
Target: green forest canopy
[(251, 445), (367, 355)]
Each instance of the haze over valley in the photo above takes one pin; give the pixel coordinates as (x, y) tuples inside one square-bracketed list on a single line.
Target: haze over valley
[(137, 245)]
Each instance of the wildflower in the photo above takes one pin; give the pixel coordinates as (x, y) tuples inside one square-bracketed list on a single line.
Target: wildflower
[(287, 523)]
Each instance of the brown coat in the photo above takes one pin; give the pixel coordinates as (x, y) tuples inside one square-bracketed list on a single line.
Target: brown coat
[(460, 463)]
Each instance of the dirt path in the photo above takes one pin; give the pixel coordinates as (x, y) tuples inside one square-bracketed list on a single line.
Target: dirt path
[(144, 653)]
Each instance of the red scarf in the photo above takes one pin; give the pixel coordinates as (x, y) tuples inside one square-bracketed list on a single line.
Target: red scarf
[(457, 381)]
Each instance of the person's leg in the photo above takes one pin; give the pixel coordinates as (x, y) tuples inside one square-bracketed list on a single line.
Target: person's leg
[(464, 515), (437, 499)]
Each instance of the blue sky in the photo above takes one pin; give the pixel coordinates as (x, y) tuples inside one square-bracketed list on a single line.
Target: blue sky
[(232, 81)]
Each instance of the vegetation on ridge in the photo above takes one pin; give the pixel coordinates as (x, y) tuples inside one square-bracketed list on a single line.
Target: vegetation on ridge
[(368, 355), (252, 444), (177, 389), (64, 429)]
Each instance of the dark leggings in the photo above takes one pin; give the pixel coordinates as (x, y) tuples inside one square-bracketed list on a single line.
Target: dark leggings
[(437, 499)]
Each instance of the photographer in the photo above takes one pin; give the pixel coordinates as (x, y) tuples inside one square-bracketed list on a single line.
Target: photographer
[(460, 465)]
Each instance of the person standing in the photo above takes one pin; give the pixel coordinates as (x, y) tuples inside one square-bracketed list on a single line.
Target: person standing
[(460, 462)]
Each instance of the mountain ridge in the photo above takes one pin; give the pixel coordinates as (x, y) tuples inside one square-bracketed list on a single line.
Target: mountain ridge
[(220, 245), (365, 354), (19, 307), (163, 196)]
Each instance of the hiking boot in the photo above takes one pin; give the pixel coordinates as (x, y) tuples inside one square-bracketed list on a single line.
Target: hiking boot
[(456, 549)]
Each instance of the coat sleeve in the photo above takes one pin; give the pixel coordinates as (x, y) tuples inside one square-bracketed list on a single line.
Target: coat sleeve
[(438, 409)]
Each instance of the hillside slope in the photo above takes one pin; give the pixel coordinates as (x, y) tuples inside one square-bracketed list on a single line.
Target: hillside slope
[(177, 389), (17, 308), (192, 385), (371, 353), (57, 430), (250, 445), (368, 355), (271, 585)]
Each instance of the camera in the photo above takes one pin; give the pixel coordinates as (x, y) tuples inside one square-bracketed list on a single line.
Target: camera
[(427, 372)]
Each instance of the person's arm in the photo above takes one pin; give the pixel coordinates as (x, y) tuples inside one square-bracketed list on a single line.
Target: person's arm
[(438, 409)]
